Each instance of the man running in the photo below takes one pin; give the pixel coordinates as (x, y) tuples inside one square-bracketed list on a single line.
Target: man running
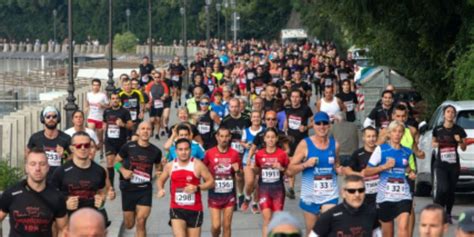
[(317, 158), (177, 70), (186, 210), (133, 101), (32, 205), (158, 92), (94, 106), (379, 117), (224, 164), (135, 163)]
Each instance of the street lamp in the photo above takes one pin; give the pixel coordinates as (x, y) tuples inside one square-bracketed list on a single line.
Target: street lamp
[(235, 18), (185, 40), (70, 106), (127, 13), (226, 5), (150, 47), (110, 82), (218, 8), (55, 13), (208, 33)]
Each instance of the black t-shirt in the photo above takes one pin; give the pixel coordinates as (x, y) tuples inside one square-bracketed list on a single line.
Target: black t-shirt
[(448, 147), (359, 161), (84, 183), (39, 140), (115, 133), (296, 117), (236, 126), (303, 86), (145, 70), (328, 79), (198, 66), (32, 213), (350, 101), (176, 70), (381, 116), (205, 126), (140, 161), (268, 104), (343, 220)]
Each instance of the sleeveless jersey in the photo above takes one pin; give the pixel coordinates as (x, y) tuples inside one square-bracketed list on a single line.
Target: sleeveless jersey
[(180, 177), (248, 136), (331, 108), (407, 141)]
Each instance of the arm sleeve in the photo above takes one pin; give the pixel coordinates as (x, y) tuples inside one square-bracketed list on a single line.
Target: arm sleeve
[(376, 157)]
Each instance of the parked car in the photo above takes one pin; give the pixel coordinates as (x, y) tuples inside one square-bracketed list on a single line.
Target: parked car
[(465, 119)]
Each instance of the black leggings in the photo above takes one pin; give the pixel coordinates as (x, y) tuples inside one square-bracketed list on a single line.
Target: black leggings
[(447, 178)]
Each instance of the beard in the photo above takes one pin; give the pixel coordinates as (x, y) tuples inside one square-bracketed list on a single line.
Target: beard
[(51, 126)]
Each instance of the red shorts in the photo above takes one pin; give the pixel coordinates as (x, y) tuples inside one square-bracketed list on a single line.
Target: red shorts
[(98, 124), (221, 203), (275, 201)]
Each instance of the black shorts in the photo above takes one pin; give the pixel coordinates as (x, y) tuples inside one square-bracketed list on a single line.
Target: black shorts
[(156, 112), (388, 211), (167, 104), (113, 147), (193, 219), (130, 199), (177, 84)]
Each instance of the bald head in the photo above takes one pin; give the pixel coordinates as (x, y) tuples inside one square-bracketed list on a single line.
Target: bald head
[(86, 222)]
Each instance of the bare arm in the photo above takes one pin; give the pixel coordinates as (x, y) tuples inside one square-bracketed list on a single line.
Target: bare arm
[(206, 175), (296, 163), (2, 216), (61, 224)]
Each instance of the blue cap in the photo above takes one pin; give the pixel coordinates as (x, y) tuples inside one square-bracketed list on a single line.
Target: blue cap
[(321, 117)]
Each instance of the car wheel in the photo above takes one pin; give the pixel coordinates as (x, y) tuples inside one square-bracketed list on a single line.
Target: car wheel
[(423, 189)]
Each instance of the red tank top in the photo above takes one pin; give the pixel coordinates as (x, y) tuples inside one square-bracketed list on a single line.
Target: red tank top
[(180, 177)]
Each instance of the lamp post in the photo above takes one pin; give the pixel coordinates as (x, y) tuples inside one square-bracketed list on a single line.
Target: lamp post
[(234, 19), (127, 13), (70, 106), (208, 33), (110, 82), (226, 5), (185, 39), (55, 13), (218, 8), (150, 46)]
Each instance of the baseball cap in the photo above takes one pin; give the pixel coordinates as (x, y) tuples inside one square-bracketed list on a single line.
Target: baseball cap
[(283, 218), (466, 221), (321, 117)]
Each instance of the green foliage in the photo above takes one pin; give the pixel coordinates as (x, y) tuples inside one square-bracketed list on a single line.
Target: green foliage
[(8, 175), (126, 42)]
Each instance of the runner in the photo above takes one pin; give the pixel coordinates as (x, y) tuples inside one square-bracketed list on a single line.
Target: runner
[(359, 161), (329, 103), (54, 142), (186, 211), (78, 125), (117, 124), (158, 92), (224, 164), (166, 104), (94, 106), (198, 65), (32, 205), (447, 138), (350, 218), (433, 221), (296, 126), (349, 98), (145, 71), (394, 200), (176, 70), (379, 117), (135, 163), (206, 123), (317, 158), (270, 163), (299, 84), (81, 180), (183, 130), (132, 100)]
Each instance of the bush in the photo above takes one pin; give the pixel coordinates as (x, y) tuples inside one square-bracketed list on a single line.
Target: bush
[(126, 42), (8, 175)]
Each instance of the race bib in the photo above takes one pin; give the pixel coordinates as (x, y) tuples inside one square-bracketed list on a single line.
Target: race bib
[(175, 78), (133, 115), (323, 185), (250, 76), (133, 103), (258, 89), (53, 158), (328, 82), (211, 87), (237, 146), (270, 175), (224, 186), (204, 128), (349, 105), (158, 104), (395, 189), (140, 177), (371, 184), (113, 131), (184, 199), (145, 79), (448, 154), (294, 122), (343, 76)]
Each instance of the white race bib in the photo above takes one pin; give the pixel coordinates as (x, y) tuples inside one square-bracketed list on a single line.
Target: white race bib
[(113, 131), (204, 128), (250, 75), (237, 146), (394, 190), (328, 82), (175, 78), (133, 115), (258, 89), (224, 186), (349, 105), (133, 103), (323, 186), (371, 184), (270, 175), (184, 199), (211, 87), (158, 104), (294, 122), (448, 154), (140, 177), (53, 158)]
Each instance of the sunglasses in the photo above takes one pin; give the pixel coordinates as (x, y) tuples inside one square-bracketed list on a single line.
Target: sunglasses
[(354, 190), (322, 123), (271, 119), (204, 103), (51, 117), (82, 145), (284, 235)]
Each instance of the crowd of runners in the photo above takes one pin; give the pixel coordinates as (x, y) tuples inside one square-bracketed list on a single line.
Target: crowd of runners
[(253, 116)]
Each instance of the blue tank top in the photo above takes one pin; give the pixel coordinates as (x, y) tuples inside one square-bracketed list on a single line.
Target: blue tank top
[(249, 139), (393, 185), (319, 183)]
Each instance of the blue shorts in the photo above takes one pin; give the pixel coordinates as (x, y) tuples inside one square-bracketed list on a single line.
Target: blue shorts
[(315, 208)]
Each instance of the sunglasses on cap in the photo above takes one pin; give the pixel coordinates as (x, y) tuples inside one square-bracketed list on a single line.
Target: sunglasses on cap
[(82, 145), (354, 190)]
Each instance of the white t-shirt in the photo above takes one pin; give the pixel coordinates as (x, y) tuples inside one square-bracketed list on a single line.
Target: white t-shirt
[(72, 131), (95, 99)]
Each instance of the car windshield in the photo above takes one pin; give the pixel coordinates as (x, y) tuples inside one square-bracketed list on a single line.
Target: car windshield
[(466, 119)]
